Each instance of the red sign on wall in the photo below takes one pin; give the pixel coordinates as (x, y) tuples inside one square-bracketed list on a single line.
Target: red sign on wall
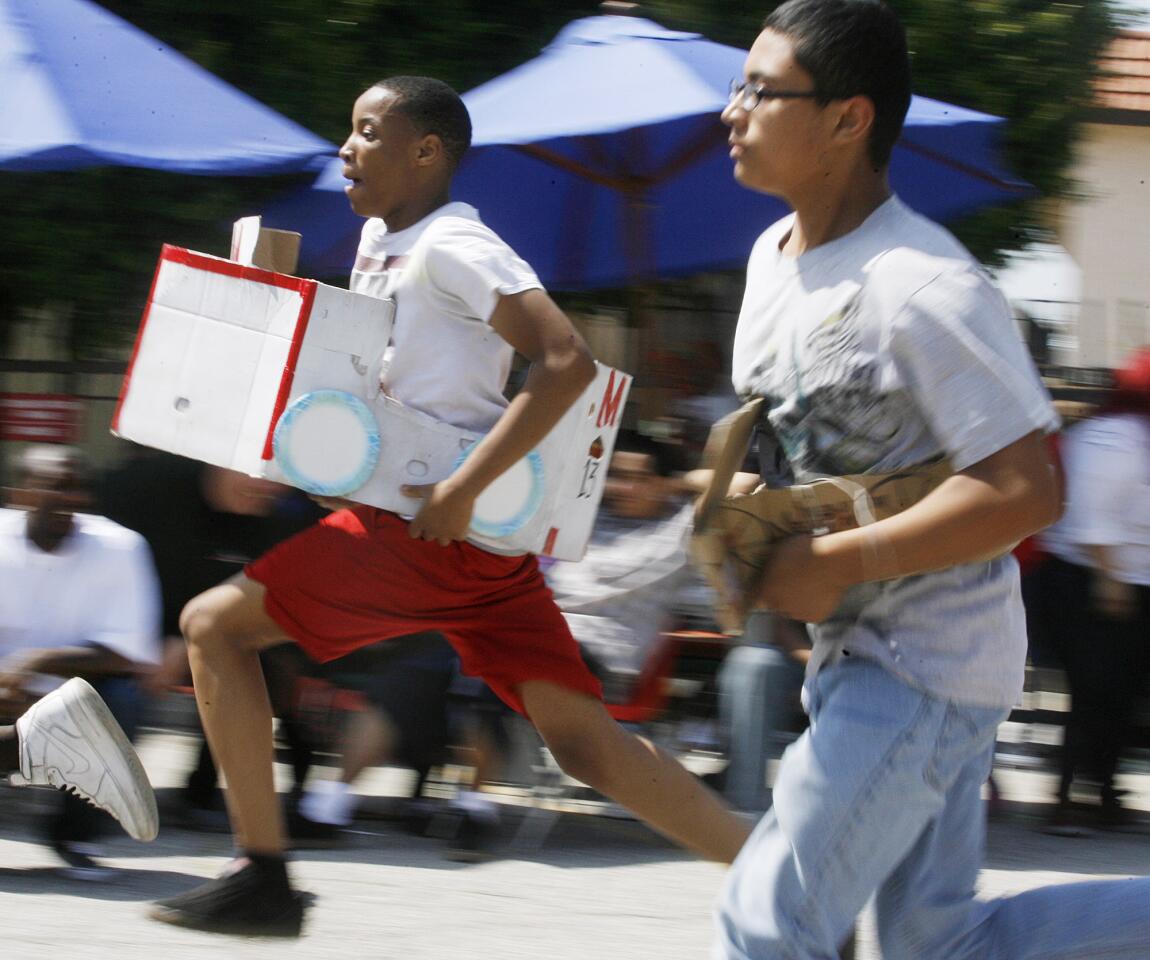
[(40, 417)]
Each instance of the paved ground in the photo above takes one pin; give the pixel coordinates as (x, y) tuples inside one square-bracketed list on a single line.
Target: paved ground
[(597, 887)]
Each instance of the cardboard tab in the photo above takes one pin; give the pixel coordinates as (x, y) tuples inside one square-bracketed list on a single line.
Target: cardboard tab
[(724, 453), (258, 246)]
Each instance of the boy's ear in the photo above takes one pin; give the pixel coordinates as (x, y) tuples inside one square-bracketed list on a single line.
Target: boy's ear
[(428, 150), (855, 119)]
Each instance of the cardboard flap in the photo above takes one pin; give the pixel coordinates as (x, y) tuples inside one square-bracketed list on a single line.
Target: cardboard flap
[(258, 246), (726, 449)]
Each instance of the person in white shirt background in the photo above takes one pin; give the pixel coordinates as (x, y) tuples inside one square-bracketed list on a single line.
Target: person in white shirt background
[(78, 598), (1094, 593)]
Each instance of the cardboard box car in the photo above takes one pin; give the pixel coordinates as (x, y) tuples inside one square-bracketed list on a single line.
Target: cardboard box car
[(278, 376)]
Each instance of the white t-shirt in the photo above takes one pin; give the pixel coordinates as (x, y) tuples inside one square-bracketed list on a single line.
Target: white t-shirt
[(882, 349), (1107, 464), (446, 274), (99, 587)]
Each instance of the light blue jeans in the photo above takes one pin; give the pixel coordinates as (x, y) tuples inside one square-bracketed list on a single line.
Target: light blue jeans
[(882, 794)]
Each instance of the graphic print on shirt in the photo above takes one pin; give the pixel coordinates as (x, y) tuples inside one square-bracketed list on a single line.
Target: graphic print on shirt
[(824, 401), (377, 278)]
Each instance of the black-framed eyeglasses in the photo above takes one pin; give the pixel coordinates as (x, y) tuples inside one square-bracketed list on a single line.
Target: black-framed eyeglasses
[(749, 94)]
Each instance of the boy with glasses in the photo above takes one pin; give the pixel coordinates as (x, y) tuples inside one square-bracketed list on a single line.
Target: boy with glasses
[(879, 344)]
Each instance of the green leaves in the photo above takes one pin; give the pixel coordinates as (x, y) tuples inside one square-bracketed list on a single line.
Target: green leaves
[(1030, 61)]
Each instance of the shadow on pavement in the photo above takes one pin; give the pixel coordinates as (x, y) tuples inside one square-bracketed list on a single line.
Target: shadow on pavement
[(1015, 842), (124, 885)]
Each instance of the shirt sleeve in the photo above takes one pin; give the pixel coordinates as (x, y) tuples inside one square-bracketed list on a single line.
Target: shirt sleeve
[(1104, 466), (470, 264), (126, 618), (955, 346)]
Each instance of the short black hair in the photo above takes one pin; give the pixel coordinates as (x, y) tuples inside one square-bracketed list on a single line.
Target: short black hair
[(433, 107), (852, 47)]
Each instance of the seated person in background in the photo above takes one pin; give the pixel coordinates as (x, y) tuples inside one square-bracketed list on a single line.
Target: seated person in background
[(78, 598), (636, 576), (203, 523), (636, 581)]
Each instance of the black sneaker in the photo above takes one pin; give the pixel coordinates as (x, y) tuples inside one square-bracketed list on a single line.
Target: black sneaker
[(1113, 816), (471, 837), (80, 861), (251, 898), (202, 819), (306, 833), (418, 815), (1065, 821)]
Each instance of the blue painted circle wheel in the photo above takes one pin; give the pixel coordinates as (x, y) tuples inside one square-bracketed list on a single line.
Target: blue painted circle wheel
[(327, 443), (511, 500)]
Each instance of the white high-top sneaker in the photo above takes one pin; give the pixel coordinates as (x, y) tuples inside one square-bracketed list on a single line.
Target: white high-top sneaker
[(69, 739)]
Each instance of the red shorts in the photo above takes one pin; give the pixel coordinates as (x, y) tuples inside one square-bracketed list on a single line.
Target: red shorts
[(356, 577)]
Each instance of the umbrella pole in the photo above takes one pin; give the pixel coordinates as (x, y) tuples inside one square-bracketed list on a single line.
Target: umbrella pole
[(642, 318), (636, 238)]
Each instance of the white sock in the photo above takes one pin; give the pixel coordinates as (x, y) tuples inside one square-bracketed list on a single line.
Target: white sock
[(476, 803), (329, 801)]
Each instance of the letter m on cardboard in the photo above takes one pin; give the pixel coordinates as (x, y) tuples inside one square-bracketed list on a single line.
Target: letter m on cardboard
[(612, 401)]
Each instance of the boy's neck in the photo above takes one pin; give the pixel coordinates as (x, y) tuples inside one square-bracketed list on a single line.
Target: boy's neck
[(837, 207), (45, 535), (417, 209)]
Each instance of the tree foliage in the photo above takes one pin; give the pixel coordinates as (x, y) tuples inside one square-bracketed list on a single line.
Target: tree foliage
[(1029, 61), (92, 237)]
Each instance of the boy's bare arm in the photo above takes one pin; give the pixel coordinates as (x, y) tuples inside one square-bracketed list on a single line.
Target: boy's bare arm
[(983, 510), (561, 368), (18, 669), (696, 482)]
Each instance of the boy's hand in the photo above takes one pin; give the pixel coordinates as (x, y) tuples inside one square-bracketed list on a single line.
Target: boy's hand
[(799, 583), (445, 515)]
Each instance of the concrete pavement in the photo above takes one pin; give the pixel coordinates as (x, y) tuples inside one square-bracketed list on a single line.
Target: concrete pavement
[(597, 887)]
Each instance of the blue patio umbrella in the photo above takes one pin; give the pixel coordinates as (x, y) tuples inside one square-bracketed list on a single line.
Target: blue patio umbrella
[(79, 87), (603, 161)]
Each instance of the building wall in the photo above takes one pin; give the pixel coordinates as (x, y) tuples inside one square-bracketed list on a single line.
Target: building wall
[(1108, 234), (43, 335)]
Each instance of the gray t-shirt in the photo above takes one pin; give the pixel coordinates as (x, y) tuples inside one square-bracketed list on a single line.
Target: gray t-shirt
[(886, 348)]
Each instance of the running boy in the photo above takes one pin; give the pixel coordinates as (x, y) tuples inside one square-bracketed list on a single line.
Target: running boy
[(878, 343), (465, 303)]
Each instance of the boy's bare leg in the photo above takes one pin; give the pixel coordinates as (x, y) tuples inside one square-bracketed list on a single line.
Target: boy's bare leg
[(591, 747), (485, 756), (226, 627), (370, 739)]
